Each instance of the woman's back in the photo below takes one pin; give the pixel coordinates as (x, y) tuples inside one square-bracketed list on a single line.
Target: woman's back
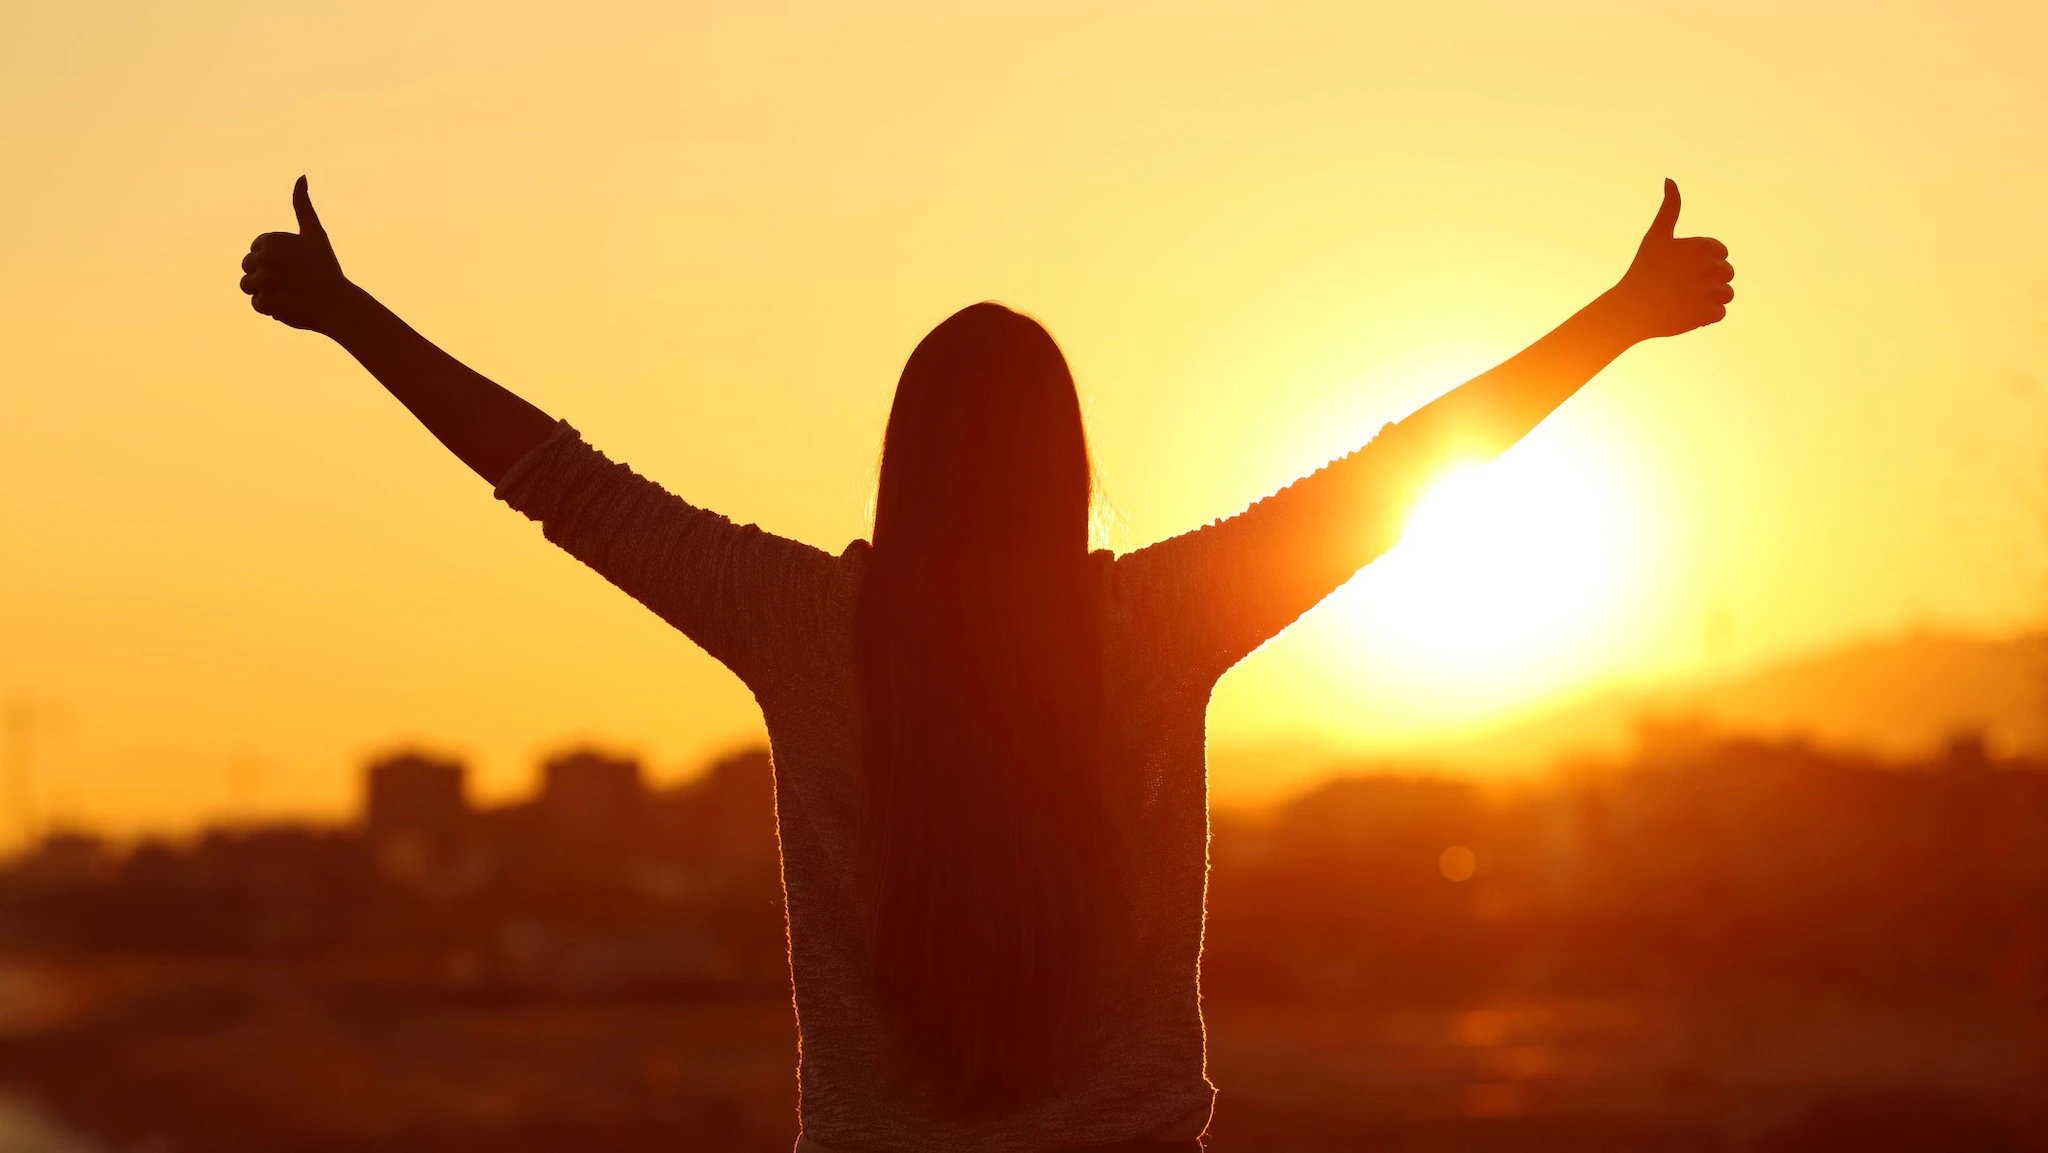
[(1142, 1070), (782, 614)]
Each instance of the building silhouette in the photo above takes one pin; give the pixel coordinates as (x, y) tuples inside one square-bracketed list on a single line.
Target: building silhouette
[(415, 814)]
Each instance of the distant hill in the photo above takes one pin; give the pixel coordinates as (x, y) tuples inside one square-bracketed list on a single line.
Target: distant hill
[(1898, 698)]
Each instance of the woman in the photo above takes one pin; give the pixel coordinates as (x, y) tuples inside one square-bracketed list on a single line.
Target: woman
[(987, 740)]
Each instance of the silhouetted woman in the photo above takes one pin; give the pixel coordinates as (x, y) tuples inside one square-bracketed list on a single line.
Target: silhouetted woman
[(988, 740)]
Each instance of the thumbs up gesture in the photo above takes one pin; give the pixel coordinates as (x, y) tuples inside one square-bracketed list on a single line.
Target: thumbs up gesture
[(1676, 283), (293, 276)]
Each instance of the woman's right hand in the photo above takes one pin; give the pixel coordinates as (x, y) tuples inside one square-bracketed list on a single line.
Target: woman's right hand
[(1676, 283), (293, 277)]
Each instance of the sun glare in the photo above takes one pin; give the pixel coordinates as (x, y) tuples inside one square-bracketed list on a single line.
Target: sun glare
[(1498, 570), (1513, 581)]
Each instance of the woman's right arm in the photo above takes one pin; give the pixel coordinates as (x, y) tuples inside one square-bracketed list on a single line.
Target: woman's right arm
[(295, 278), (1219, 592)]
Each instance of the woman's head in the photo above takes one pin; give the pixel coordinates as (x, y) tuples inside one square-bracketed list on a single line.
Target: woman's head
[(985, 450), (982, 827)]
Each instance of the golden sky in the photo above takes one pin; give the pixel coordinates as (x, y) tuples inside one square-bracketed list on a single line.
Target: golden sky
[(231, 566)]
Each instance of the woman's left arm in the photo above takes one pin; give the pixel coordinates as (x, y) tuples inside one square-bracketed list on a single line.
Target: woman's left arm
[(748, 597), (295, 278)]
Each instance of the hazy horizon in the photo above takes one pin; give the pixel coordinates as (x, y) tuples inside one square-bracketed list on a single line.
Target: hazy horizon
[(1990, 691)]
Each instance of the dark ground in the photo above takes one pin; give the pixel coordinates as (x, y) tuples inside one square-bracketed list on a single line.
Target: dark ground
[(212, 1058)]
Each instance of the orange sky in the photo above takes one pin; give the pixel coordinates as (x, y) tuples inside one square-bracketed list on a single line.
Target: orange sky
[(232, 566)]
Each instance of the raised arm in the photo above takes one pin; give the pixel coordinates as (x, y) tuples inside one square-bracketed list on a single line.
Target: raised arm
[(1674, 285), (752, 599), (1214, 594), (295, 278)]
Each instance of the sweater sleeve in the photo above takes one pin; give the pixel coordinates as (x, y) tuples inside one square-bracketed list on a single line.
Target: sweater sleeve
[(1205, 599), (748, 597)]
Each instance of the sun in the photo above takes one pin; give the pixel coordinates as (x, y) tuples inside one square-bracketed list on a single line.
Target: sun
[(1499, 567), (1543, 576), (1511, 580)]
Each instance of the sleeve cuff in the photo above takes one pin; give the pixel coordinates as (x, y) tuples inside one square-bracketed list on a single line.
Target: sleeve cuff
[(516, 485)]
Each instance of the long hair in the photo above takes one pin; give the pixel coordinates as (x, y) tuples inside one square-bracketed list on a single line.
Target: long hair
[(980, 669)]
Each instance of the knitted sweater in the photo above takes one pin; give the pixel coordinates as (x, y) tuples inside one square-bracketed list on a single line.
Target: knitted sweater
[(1176, 616)]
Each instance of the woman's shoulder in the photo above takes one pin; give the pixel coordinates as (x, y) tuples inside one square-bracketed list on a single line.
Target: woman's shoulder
[(842, 590)]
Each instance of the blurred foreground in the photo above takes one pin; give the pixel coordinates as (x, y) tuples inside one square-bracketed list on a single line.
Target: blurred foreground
[(1724, 945)]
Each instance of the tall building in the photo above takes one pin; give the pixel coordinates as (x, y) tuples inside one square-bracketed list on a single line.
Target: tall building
[(591, 806), (415, 808)]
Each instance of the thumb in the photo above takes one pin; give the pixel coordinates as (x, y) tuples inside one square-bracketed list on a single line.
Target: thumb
[(1667, 214), (302, 204)]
